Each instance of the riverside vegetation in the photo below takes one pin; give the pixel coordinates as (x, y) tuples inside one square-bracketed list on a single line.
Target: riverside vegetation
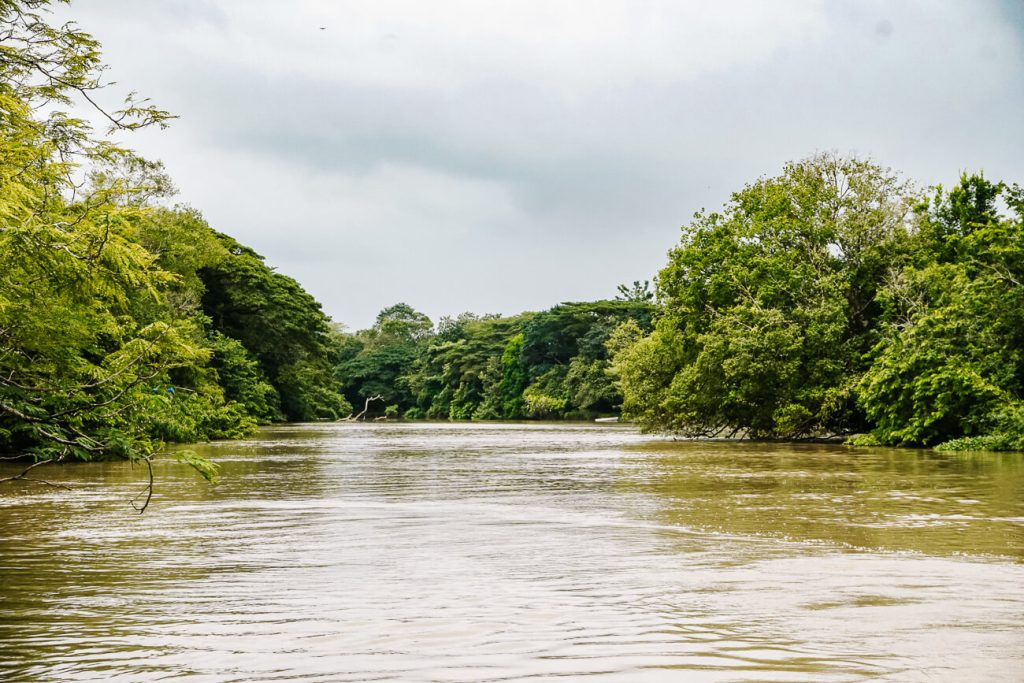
[(835, 298)]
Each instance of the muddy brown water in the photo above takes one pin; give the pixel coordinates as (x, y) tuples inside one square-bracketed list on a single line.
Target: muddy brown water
[(508, 552)]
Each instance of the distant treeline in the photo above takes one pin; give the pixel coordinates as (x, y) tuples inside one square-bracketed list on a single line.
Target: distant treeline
[(552, 365)]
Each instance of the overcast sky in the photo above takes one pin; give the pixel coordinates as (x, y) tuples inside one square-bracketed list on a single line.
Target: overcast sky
[(502, 156)]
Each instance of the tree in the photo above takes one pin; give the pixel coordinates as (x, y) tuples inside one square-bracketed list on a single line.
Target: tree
[(379, 361), (636, 292), (402, 322), (950, 364), (514, 380), (82, 346), (124, 324), (473, 374), (280, 324), (770, 306)]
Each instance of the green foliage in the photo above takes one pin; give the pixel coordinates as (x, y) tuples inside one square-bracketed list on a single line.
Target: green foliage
[(85, 329), (555, 336), (242, 378), (402, 322), (548, 365), (541, 405), (589, 385), (206, 469), (638, 291), (769, 306), (565, 357), (245, 299), (124, 325), (831, 300), (460, 372), (377, 362), (950, 364), (1005, 434), (51, 66), (513, 380)]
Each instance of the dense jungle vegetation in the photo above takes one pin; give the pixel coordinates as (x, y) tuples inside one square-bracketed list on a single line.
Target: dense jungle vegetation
[(554, 364), (835, 298), (125, 323)]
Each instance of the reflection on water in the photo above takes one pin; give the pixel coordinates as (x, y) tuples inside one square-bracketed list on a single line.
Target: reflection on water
[(437, 552)]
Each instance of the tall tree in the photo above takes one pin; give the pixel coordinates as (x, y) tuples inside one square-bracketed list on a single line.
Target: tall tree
[(377, 362), (82, 337), (108, 343), (770, 305), (280, 324)]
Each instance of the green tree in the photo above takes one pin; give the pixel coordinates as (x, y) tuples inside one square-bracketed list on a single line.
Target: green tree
[(402, 322), (381, 361), (467, 370), (124, 325), (85, 342), (280, 324), (513, 379), (566, 358), (770, 306), (950, 365), (638, 291)]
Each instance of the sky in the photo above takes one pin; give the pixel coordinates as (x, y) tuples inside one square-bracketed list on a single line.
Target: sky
[(499, 156)]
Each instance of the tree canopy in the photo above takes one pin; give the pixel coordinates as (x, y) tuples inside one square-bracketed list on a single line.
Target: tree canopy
[(124, 323), (552, 364), (949, 367), (835, 299)]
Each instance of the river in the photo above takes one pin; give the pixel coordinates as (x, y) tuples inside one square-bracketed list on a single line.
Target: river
[(508, 552)]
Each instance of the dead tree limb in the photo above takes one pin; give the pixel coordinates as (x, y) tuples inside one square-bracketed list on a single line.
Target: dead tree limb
[(366, 407)]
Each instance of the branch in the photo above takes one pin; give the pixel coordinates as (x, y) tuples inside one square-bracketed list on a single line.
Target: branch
[(148, 490), (131, 364), (22, 476), (366, 406)]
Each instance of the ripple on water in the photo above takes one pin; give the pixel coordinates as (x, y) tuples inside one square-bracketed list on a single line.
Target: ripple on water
[(435, 552)]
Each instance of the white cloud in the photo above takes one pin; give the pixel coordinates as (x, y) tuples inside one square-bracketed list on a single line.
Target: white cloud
[(506, 155)]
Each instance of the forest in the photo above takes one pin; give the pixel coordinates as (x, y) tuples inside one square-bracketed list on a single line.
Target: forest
[(835, 298)]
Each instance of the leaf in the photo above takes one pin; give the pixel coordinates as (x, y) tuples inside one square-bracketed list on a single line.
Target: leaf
[(207, 468)]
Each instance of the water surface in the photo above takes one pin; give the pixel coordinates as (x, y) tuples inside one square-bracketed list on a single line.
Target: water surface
[(438, 552)]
